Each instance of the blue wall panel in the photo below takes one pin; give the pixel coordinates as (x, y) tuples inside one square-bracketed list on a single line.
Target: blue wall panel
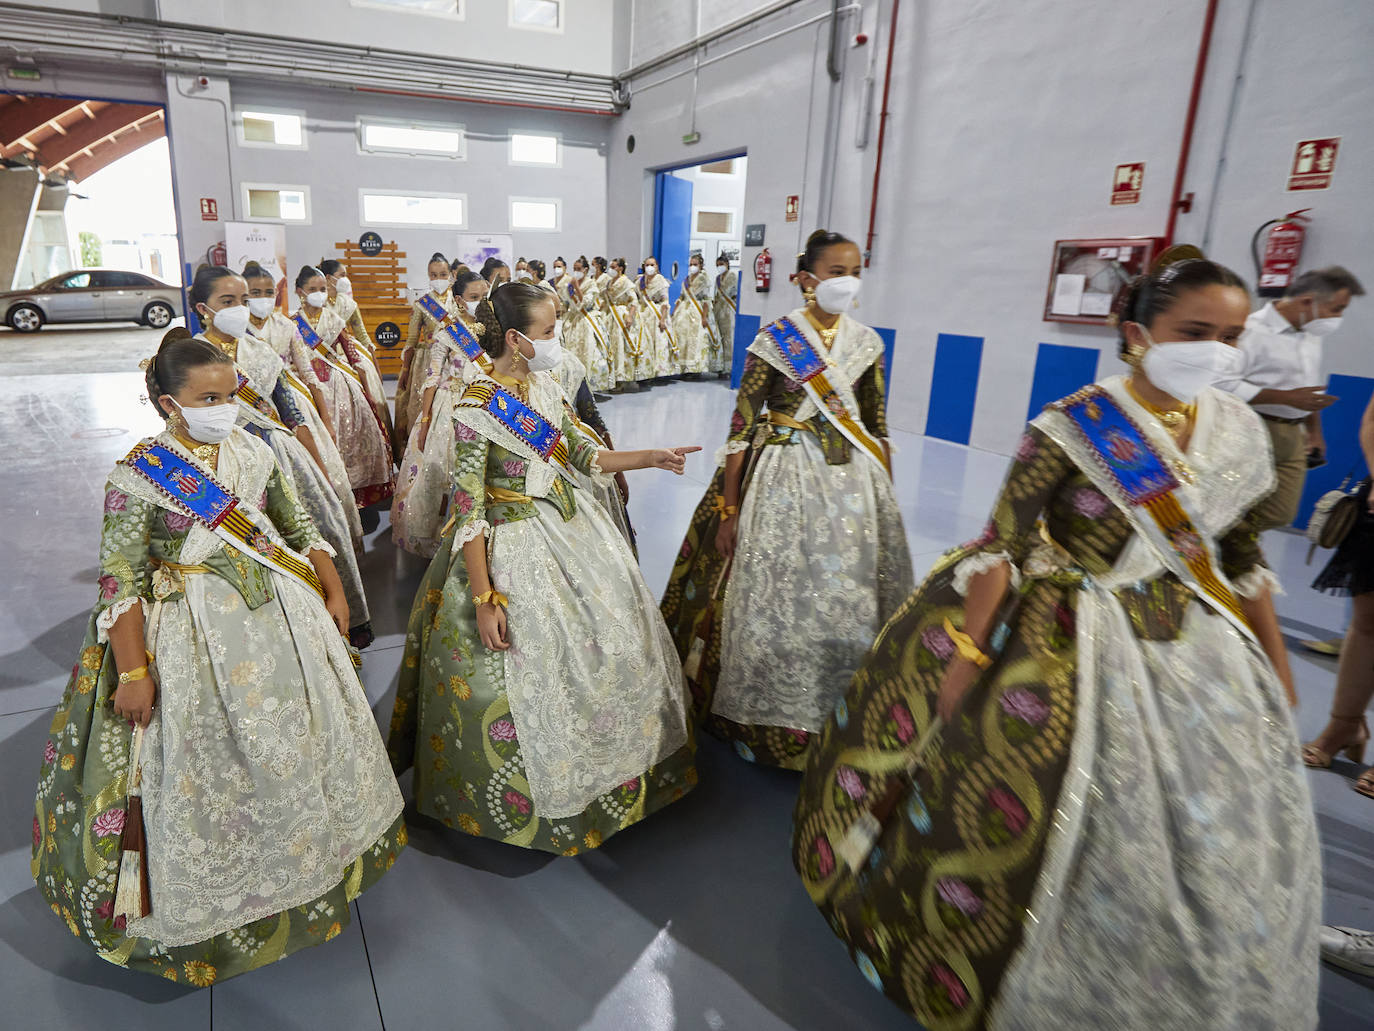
[(1059, 371), (889, 348), (1341, 428), (954, 387), (746, 328)]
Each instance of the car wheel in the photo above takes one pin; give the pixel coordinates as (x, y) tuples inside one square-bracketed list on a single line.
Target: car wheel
[(158, 315), (25, 318)]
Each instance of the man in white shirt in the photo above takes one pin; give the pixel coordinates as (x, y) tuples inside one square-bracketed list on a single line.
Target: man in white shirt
[(1282, 344)]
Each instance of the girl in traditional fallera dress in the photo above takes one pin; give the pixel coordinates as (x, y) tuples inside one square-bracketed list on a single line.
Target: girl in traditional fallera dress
[(1064, 789), (656, 336), (558, 724), (724, 305), (300, 401), (340, 290), (799, 530), (583, 332), (425, 321), (622, 322), (358, 428), (693, 327), (418, 512), (220, 299), (213, 690)]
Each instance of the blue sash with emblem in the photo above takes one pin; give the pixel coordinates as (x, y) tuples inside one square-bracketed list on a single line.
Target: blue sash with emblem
[(532, 429), (313, 341), (457, 332), (196, 493), (1139, 479)]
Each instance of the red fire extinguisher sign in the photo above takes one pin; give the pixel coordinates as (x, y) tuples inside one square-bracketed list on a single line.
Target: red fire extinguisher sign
[(763, 272)]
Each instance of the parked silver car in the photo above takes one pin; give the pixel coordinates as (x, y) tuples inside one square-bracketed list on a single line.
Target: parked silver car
[(92, 295)]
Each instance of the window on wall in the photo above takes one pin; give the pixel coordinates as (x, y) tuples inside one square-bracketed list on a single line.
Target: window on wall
[(546, 15), (726, 167), (443, 8), (277, 203), (714, 221), (272, 128), (391, 208), (535, 213), (423, 139), (534, 149)]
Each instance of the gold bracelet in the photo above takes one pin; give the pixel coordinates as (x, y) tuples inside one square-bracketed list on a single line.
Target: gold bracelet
[(491, 597), (968, 648), (133, 674)]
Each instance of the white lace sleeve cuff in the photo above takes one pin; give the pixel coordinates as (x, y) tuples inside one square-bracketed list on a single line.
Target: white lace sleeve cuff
[(972, 566), (731, 447), (471, 531), (1253, 583), (110, 616), (320, 545)]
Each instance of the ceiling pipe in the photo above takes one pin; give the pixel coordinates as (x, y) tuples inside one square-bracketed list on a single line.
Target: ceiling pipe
[(419, 94), (1177, 202)]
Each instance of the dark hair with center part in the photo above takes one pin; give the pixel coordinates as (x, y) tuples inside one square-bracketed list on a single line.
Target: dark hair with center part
[(599, 262), (816, 245), (203, 285), (510, 306), (1149, 296), (178, 354), (464, 280), (331, 266), (306, 274)]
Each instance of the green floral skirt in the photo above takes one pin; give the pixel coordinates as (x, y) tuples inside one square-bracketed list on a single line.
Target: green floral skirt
[(79, 814), (452, 723)]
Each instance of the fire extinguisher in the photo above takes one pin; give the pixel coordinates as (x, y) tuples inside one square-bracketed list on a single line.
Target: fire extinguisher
[(763, 272), (1282, 251)]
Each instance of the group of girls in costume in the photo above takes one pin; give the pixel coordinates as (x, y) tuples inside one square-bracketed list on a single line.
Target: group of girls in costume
[(1056, 783)]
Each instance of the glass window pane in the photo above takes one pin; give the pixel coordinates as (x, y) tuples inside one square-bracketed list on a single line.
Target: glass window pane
[(427, 6), (534, 214), (534, 150), (726, 167), (714, 221), (542, 13), (411, 138), (264, 203), (387, 207), (77, 282), (266, 127)]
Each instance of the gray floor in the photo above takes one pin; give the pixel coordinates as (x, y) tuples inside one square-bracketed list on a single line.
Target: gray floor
[(692, 920)]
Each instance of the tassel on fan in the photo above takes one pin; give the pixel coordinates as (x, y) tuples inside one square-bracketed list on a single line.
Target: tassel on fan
[(133, 894)]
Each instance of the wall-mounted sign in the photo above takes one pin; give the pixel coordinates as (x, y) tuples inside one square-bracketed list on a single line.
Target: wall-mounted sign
[(370, 243), (209, 209), (1127, 182), (250, 241), (753, 235), (388, 334), (793, 208), (1087, 276), (1314, 162), (474, 249)]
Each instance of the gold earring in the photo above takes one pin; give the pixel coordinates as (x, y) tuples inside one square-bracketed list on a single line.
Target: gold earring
[(808, 294), (1135, 354)]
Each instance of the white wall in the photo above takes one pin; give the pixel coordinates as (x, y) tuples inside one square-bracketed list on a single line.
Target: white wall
[(716, 192), (1006, 123)]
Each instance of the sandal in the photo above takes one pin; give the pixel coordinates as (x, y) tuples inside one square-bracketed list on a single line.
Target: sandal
[(1364, 784), (1353, 750)]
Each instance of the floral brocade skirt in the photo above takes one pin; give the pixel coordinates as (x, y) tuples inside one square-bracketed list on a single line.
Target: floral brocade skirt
[(453, 721)]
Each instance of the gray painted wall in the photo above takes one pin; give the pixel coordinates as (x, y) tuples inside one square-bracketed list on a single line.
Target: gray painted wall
[(1006, 123)]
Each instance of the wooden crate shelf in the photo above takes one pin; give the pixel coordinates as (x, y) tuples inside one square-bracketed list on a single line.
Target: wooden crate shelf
[(379, 287)]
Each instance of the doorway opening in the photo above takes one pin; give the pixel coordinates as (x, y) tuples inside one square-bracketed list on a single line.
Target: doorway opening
[(88, 225)]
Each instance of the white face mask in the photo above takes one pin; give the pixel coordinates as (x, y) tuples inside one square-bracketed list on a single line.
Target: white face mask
[(210, 425), (1185, 369), (231, 321), (316, 298), (557, 271), (1320, 327), (578, 275), (523, 277), (344, 286), (547, 353), (261, 307), (838, 294), (650, 271), (694, 269), (439, 286), (472, 307)]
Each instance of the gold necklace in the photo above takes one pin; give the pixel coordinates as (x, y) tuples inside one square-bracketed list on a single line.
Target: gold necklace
[(520, 387), (827, 335), (231, 348), (1175, 420), (207, 453)]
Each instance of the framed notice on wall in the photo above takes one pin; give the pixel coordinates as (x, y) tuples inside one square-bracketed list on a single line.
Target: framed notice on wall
[(474, 249), (1087, 276)]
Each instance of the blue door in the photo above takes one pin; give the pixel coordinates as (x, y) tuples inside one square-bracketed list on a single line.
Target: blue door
[(672, 227)]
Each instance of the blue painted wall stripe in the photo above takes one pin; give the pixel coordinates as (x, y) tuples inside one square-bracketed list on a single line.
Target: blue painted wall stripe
[(889, 349), (746, 328), (1059, 371), (1341, 428), (954, 387)]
